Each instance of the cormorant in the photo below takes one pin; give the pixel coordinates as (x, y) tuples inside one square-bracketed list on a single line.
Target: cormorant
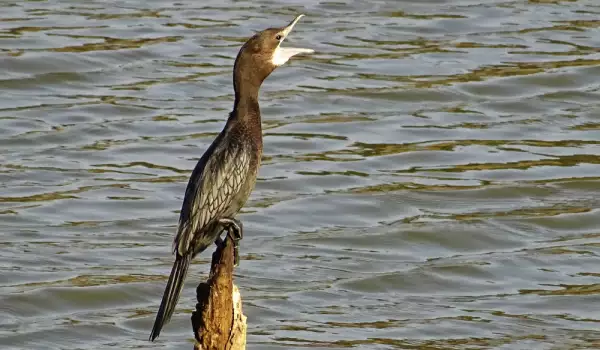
[(226, 174)]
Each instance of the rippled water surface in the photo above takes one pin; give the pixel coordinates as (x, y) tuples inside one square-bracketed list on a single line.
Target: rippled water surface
[(430, 180)]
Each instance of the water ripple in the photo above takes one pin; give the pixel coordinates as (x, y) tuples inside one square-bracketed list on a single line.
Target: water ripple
[(429, 177)]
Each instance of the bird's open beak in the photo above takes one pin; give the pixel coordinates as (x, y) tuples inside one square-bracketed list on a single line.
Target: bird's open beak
[(283, 54)]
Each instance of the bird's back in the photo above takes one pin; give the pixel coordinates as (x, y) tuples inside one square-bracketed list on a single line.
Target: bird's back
[(219, 186)]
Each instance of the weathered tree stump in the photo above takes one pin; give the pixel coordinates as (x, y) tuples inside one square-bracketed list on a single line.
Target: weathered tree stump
[(218, 321)]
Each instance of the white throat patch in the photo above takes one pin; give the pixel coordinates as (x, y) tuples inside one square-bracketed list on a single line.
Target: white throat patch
[(278, 58), (283, 54)]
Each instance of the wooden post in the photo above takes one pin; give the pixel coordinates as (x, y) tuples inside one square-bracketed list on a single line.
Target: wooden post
[(218, 321)]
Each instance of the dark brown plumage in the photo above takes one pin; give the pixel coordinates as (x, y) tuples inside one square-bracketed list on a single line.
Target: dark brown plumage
[(226, 174)]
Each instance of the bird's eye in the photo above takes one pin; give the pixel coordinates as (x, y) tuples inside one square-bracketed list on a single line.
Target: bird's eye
[(278, 37)]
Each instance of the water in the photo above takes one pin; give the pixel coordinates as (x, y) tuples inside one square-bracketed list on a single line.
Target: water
[(430, 177)]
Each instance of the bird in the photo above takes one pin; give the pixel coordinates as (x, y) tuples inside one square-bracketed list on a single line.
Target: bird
[(225, 175)]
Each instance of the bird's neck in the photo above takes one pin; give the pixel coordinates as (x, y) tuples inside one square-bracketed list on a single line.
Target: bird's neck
[(245, 104), (246, 85), (246, 108), (248, 76), (246, 114), (246, 121)]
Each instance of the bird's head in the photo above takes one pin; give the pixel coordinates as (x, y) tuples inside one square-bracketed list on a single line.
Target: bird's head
[(262, 53)]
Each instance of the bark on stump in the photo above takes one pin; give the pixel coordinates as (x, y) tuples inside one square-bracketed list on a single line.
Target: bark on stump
[(218, 322)]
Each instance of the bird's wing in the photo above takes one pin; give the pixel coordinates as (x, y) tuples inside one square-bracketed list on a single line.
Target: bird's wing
[(212, 188)]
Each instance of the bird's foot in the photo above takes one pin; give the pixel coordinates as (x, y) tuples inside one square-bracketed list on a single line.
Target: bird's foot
[(219, 242), (235, 230)]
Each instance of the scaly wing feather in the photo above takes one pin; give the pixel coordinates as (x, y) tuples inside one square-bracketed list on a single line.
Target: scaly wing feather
[(214, 187)]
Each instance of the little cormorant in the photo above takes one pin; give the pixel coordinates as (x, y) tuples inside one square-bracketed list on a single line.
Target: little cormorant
[(226, 174)]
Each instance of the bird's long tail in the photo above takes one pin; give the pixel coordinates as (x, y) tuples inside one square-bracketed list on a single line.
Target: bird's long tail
[(171, 294)]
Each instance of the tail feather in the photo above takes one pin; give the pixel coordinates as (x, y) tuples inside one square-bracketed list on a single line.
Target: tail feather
[(171, 294)]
